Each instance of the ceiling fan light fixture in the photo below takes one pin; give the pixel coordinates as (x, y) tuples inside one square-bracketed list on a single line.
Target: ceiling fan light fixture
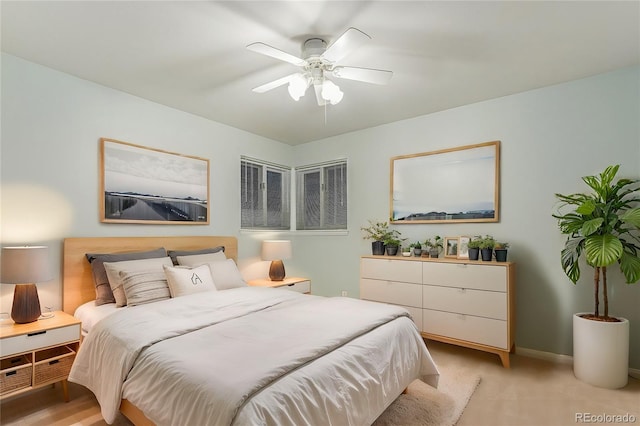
[(331, 92), (298, 86)]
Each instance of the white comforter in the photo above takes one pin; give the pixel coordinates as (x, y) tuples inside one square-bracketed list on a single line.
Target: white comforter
[(253, 356)]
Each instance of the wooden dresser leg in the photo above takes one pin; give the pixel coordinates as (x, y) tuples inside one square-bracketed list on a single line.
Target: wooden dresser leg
[(65, 390), (504, 357)]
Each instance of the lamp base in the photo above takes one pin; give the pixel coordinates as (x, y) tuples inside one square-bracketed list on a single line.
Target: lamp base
[(26, 304), (276, 270)]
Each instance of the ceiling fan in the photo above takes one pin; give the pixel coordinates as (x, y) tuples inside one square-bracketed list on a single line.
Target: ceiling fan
[(318, 62)]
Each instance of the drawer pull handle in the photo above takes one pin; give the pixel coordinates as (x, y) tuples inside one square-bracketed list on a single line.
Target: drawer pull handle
[(55, 361), (16, 360), (291, 285), (37, 333), (11, 373)]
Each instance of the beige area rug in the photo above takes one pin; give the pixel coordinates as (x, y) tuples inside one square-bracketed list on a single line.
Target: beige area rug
[(425, 406)]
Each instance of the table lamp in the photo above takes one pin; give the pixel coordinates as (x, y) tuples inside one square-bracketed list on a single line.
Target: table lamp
[(276, 251), (24, 266)]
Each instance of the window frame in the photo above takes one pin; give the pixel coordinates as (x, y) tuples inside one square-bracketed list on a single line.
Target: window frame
[(265, 168)]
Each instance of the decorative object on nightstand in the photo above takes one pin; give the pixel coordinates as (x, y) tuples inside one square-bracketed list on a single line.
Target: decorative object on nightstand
[(24, 266), (301, 285), (276, 251)]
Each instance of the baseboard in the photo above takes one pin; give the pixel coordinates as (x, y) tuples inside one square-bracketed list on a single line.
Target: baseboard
[(561, 359)]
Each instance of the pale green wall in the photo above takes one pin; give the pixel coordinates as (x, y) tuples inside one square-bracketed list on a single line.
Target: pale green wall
[(51, 123), (550, 138)]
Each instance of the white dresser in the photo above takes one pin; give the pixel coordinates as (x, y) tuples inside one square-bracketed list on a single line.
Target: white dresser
[(463, 302)]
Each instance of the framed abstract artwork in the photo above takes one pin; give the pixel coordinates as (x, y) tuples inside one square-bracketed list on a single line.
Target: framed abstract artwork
[(459, 184), (150, 186)]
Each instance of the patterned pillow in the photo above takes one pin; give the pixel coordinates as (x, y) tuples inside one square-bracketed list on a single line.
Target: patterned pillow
[(104, 294), (183, 281), (142, 287), (114, 268)]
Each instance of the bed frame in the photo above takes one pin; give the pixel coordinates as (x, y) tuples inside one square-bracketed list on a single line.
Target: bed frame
[(77, 282)]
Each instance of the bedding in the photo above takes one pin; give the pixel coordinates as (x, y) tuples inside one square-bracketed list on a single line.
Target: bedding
[(104, 294), (90, 313), (255, 356), (114, 270), (173, 254), (183, 280)]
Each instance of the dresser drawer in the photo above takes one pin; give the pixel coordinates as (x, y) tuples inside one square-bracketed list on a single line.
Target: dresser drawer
[(39, 339), (481, 303), (465, 275), (397, 293), (300, 287), (392, 270), (485, 331)]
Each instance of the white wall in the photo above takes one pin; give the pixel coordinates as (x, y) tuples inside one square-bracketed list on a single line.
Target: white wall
[(51, 124), (550, 138)]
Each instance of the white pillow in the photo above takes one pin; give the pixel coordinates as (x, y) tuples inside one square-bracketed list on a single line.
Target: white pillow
[(142, 287), (226, 275), (183, 281), (113, 270), (201, 259)]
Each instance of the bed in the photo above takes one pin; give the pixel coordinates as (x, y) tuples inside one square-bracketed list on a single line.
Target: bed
[(242, 355)]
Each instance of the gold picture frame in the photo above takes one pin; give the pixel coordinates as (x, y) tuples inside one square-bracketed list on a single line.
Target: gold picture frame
[(150, 186), (452, 185), (451, 247)]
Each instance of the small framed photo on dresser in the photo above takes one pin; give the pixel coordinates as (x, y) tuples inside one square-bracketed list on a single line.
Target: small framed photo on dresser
[(463, 247), (451, 247)]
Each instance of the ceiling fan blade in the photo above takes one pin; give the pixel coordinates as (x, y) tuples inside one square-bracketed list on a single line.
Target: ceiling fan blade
[(319, 98), (273, 84), (349, 41), (368, 75), (265, 49)]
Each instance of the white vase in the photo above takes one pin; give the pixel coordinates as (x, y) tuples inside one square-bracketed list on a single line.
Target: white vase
[(601, 352)]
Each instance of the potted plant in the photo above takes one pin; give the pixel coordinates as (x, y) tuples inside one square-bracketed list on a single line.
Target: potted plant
[(417, 249), (474, 247), (406, 251), (377, 232), (392, 241), (602, 227), (500, 250), (487, 243), (434, 245)]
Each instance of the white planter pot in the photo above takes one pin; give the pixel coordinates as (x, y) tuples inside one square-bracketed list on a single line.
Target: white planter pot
[(601, 352)]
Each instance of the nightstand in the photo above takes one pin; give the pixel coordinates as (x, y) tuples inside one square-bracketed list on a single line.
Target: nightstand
[(301, 285), (37, 354)]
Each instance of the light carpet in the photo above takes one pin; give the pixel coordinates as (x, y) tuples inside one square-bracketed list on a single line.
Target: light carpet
[(425, 406)]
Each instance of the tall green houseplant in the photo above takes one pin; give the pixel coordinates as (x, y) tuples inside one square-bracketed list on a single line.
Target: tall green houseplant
[(604, 226)]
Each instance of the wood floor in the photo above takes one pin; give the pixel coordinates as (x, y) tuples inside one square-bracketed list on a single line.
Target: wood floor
[(531, 393)]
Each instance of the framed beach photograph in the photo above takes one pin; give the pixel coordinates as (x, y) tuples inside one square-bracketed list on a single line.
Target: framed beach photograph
[(447, 186), (451, 247), (150, 186), (463, 247)]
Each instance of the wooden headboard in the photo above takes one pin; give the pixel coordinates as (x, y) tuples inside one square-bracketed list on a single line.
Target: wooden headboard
[(77, 280)]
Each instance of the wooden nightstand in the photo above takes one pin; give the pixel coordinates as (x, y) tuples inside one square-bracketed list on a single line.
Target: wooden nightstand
[(301, 285), (37, 354)]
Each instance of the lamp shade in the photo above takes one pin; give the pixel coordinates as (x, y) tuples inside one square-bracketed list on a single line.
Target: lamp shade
[(25, 264), (276, 249)]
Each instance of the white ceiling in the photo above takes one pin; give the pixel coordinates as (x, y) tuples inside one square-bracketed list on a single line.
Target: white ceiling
[(191, 55)]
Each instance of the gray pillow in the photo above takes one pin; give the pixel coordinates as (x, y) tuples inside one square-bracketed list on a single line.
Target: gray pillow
[(104, 294), (173, 254)]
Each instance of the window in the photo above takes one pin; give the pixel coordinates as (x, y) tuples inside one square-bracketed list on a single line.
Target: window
[(321, 196), (265, 195)]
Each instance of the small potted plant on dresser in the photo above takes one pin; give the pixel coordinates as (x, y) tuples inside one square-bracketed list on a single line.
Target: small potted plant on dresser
[(435, 246), (406, 251), (500, 250), (474, 247), (392, 242), (378, 232), (417, 249), (487, 243), (601, 226)]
